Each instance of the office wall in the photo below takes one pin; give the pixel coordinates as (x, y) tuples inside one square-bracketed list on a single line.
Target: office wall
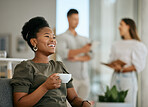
[(144, 36), (13, 15)]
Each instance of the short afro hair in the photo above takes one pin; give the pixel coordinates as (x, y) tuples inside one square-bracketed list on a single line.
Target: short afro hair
[(32, 27), (72, 11)]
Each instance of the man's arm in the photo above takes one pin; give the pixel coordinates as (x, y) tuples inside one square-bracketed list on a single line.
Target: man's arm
[(80, 58), (75, 52)]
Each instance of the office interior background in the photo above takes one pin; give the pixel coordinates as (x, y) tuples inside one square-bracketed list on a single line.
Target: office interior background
[(99, 21)]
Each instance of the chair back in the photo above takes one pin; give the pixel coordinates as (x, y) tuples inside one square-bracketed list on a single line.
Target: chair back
[(6, 98)]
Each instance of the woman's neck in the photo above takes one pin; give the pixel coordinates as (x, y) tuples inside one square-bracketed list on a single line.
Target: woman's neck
[(40, 58), (127, 37)]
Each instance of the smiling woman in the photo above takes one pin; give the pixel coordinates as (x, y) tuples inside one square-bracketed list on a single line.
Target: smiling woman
[(44, 42), (37, 82)]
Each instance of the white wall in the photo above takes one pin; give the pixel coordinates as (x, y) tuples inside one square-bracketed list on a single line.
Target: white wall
[(14, 13), (144, 36)]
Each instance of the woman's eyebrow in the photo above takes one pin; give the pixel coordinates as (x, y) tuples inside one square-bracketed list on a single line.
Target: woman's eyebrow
[(47, 33)]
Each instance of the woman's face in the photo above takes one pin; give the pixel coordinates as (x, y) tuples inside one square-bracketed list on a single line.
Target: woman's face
[(123, 28), (46, 41)]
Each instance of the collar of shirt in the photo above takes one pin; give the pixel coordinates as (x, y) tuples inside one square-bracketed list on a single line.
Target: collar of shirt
[(68, 31)]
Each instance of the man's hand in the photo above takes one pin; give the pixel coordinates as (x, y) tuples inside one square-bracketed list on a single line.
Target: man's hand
[(86, 48)]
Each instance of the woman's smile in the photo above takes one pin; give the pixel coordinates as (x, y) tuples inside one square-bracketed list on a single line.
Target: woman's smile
[(52, 45)]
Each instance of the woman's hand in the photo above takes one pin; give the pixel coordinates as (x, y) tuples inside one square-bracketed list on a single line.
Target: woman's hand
[(117, 67), (52, 82), (129, 69)]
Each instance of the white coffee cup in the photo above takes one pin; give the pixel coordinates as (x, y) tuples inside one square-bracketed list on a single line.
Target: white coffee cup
[(65, 77)]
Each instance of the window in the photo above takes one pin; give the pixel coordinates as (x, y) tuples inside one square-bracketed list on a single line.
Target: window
[(63, 6)]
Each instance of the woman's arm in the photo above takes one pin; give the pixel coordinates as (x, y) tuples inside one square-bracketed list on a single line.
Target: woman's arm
[(129, 69), (28, 100), (74, 100), (118, 68)]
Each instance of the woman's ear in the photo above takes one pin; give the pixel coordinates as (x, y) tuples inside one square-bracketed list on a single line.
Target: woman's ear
[(33, 41)]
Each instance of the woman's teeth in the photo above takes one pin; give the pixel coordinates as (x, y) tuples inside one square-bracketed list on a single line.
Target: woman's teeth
[(52, 45)]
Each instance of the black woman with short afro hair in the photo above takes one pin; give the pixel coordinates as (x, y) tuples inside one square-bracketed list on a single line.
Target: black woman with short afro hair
[(36, 82)]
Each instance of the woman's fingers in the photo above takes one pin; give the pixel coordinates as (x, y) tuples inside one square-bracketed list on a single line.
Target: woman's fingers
[(53, 75), (57, 81), (54, 81), (57, 77), (57, 85)]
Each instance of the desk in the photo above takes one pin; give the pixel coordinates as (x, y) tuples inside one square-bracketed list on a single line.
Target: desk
[(8, 62)]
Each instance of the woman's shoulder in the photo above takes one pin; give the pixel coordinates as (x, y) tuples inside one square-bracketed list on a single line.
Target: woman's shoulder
[(55, 63), (23, 65), (116, 43), (140, 46), (23, 69), (129, 42), (137, 43)]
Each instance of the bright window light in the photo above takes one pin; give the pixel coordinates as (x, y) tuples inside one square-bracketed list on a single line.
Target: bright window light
[(63, 6)]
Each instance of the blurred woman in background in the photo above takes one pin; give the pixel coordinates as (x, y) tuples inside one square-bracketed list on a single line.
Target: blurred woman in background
[(131, 51)]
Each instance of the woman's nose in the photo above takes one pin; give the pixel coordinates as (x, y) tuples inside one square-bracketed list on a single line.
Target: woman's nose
[(52, 40), (119, 28)]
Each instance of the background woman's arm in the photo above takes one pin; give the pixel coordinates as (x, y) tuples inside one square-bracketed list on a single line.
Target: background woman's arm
[(129, 69)]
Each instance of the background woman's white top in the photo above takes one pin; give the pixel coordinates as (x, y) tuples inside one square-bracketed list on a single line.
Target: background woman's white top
[(132, 52)]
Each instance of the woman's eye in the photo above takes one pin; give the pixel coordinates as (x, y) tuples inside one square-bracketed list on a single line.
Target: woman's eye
[(54, 37), (47, 36)]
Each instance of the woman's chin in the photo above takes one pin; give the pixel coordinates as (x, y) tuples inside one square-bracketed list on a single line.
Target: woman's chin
[(50, 53)]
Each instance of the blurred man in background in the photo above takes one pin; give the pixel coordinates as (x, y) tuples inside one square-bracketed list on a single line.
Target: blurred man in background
[(75, 52)]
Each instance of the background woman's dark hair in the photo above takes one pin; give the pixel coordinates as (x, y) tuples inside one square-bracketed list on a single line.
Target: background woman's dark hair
[(72, 11), (32, 27), (133, 29)]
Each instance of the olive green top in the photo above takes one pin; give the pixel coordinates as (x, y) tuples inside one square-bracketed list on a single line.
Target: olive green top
[(28, 76)]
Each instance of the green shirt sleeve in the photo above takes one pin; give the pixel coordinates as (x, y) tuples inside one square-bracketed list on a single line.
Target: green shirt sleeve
[(69, 84), (22, 78)]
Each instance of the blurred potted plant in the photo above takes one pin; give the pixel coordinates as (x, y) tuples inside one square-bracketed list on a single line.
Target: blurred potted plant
[(113, 98)]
